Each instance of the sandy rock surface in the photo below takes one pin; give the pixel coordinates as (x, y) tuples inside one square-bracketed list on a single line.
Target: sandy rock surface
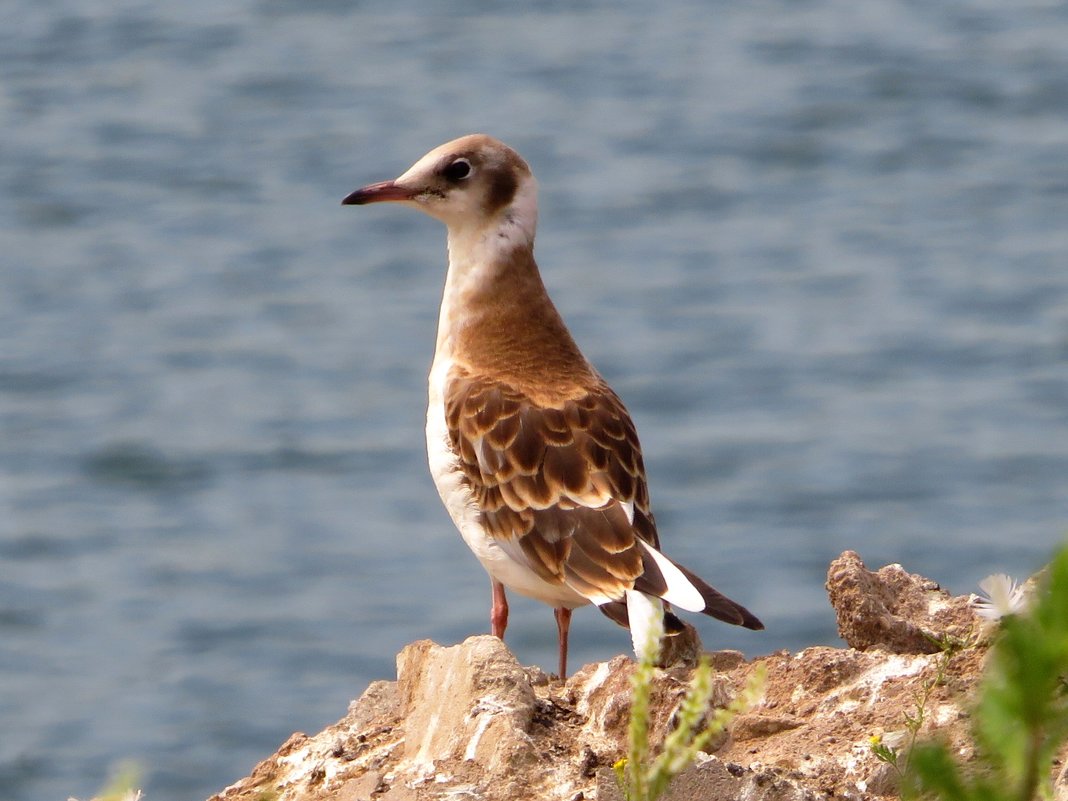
[(892, 610), (469, 722)]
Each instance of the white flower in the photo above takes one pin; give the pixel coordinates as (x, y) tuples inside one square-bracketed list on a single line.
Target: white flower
[(1003, 597)]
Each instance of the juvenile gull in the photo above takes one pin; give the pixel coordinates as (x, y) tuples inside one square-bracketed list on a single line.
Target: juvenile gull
[(534, 456)]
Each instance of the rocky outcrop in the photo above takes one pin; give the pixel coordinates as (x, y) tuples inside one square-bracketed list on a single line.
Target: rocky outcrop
[(469, 722), (892, 610)]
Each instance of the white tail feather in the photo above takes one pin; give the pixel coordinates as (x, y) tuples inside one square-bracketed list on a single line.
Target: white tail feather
[(646, 615), (680, 592)]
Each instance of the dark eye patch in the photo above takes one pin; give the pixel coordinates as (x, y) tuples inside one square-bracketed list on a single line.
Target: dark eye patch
[(457, 170)]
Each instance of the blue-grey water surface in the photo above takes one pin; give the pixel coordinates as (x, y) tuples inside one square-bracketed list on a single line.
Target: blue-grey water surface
[(820, 249)]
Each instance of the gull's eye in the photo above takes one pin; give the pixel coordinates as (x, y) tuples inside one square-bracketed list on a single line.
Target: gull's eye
[(457, 170)]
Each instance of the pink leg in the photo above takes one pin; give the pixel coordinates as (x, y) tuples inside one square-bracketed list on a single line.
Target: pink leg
[(499, 610), (563, 623)]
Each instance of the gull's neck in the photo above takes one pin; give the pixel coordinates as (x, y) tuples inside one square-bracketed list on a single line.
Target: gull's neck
[(496, 317), (488, 258)]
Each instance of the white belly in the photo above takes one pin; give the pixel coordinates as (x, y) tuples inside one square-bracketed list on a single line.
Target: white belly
[(462, 508)]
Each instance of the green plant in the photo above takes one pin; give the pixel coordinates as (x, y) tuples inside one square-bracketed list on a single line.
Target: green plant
[(898, 751), (1021, 717), (122, 786), (643, 778)]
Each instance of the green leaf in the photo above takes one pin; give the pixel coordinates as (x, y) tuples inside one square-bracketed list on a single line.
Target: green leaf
[(932, 770), (1020, 719)]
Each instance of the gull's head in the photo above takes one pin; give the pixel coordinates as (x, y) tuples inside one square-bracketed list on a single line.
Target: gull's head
[(471, 184)]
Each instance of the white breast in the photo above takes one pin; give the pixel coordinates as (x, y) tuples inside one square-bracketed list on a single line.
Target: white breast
[(462, 508), (444, 464)]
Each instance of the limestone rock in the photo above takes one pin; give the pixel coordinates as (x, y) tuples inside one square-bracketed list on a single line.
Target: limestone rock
[(723, 781), (1060, 784), (893, 610), (468, 722)]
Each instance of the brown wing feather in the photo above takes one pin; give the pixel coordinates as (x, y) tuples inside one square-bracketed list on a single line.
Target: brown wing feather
[(553, 482)]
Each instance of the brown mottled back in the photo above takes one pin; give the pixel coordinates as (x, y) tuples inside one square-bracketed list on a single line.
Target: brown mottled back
[(553, 482)]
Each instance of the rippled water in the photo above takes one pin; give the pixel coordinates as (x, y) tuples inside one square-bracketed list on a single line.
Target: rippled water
[(819, 249)]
